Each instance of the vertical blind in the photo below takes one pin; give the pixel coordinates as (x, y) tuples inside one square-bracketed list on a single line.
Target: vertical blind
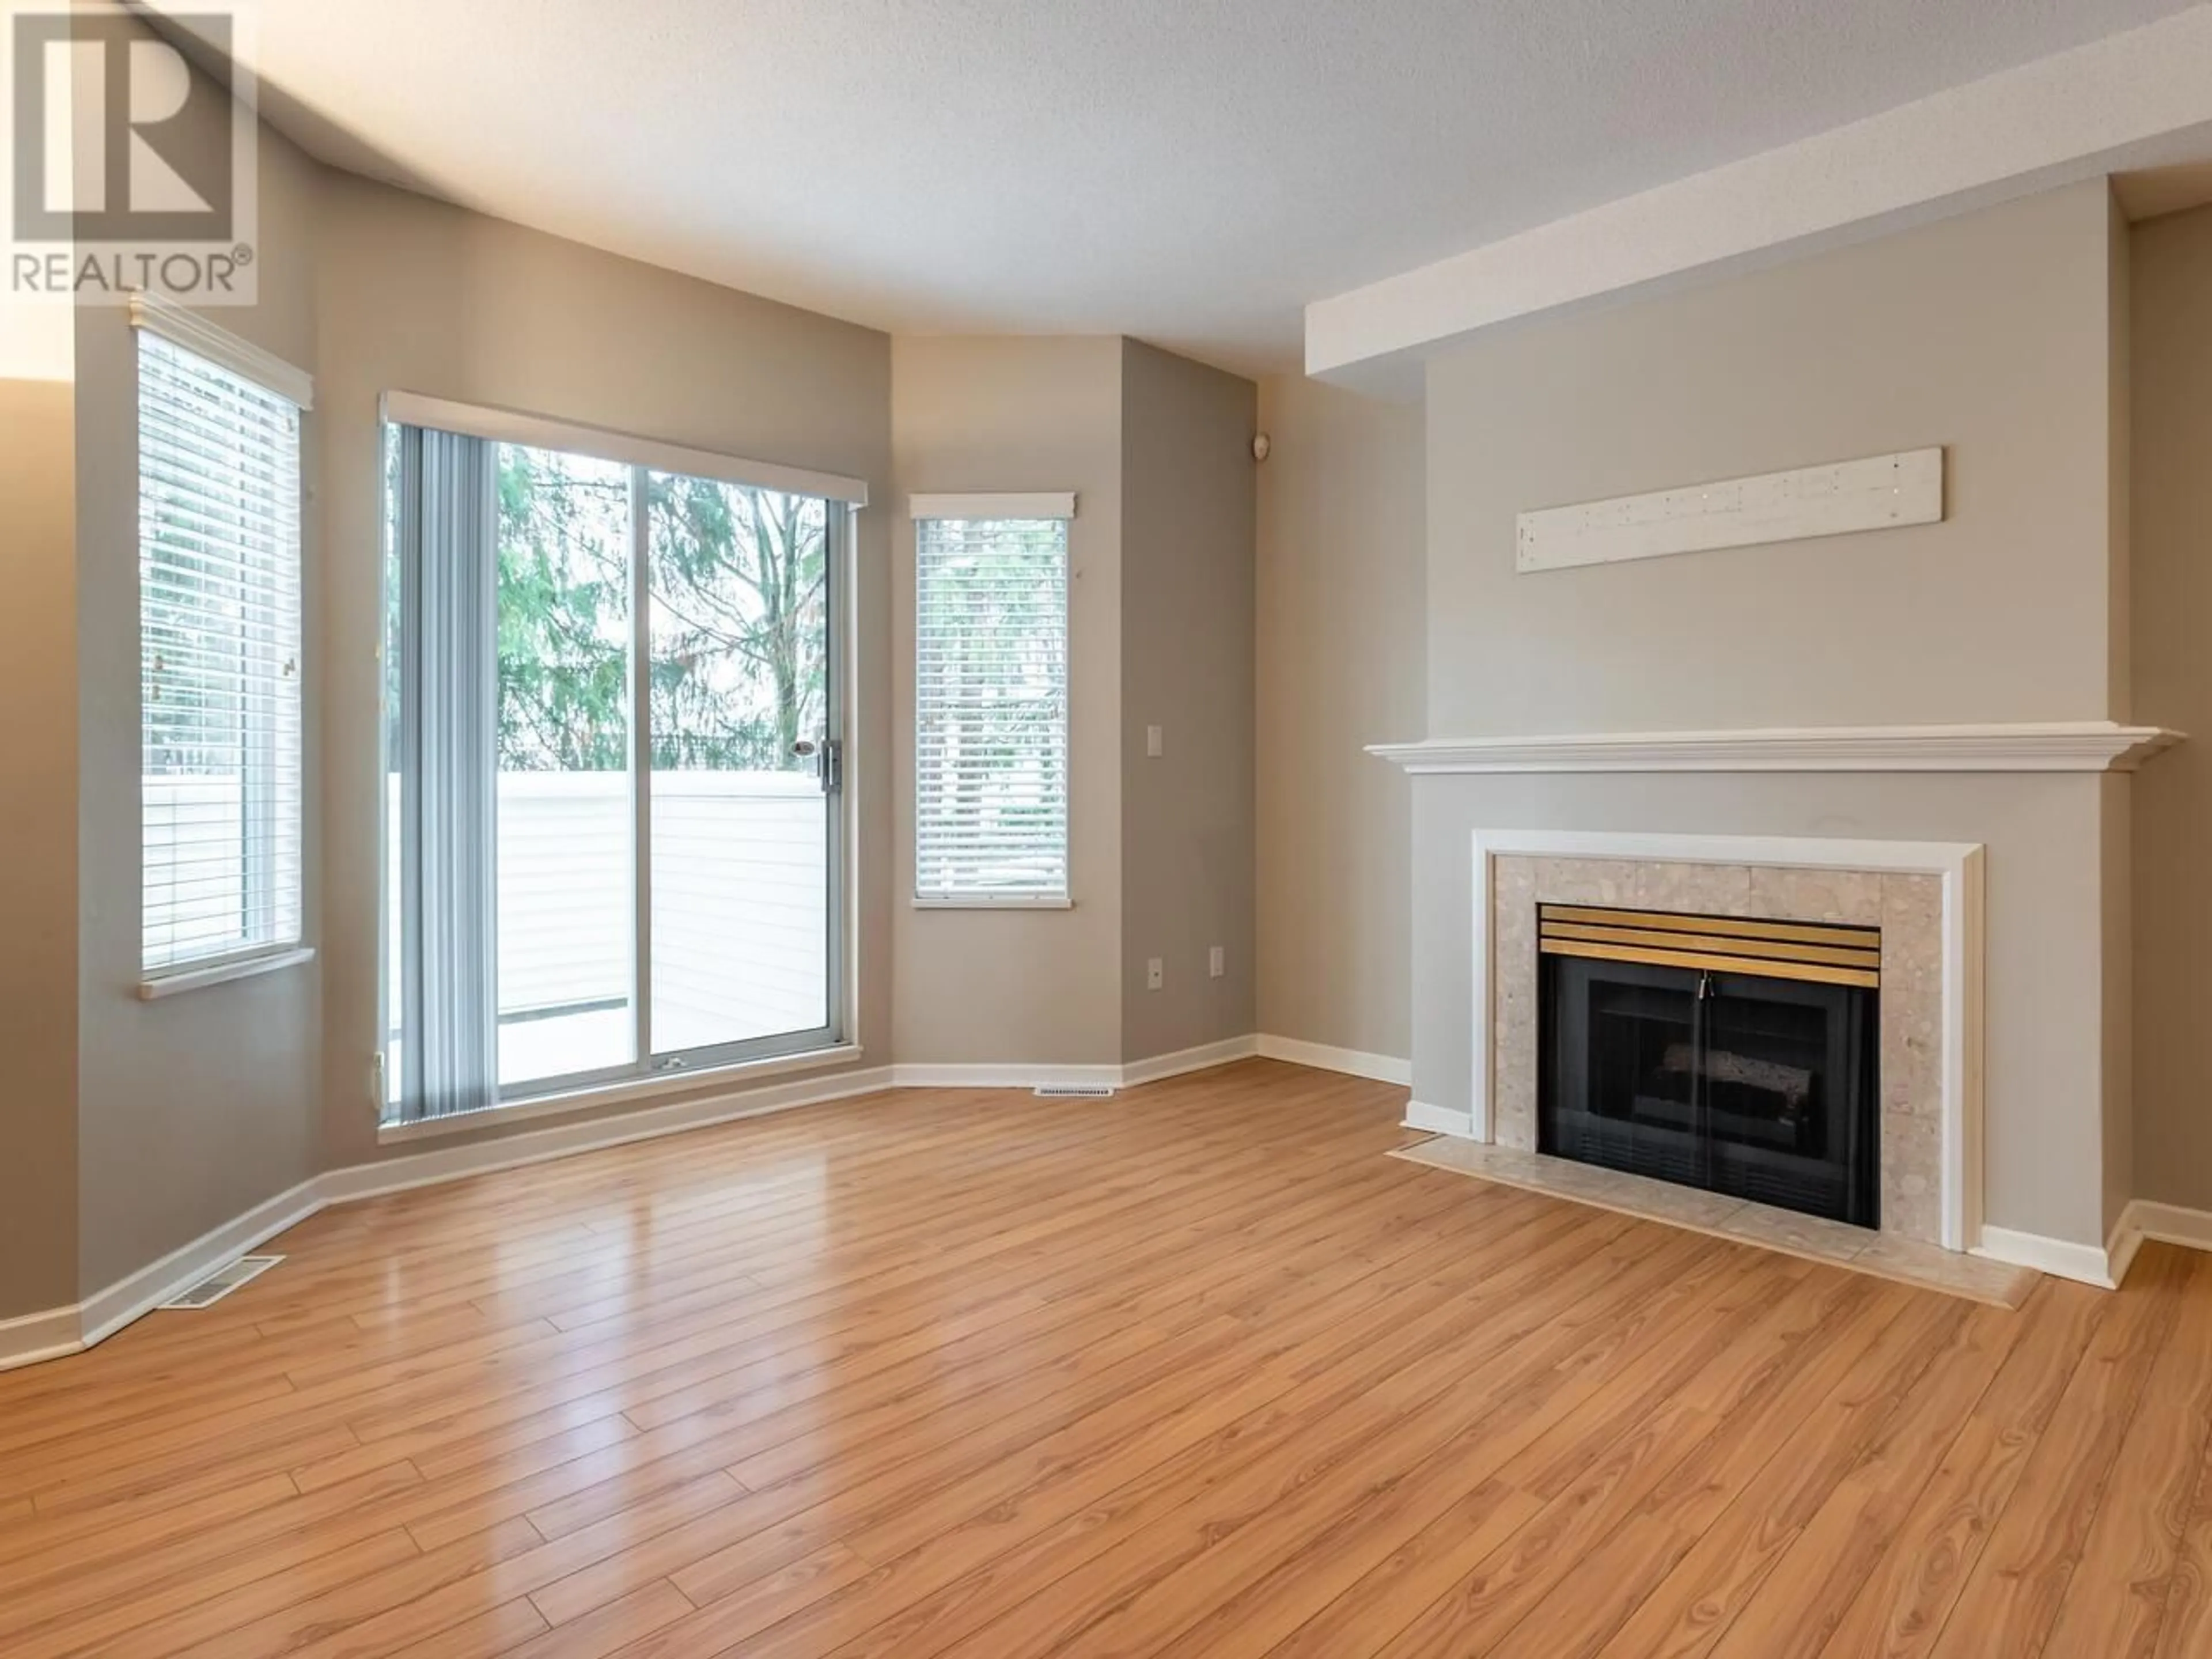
[(219, 644), (991, 710)]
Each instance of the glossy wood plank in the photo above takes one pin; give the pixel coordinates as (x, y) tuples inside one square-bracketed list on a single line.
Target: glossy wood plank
[(1197, 1371)]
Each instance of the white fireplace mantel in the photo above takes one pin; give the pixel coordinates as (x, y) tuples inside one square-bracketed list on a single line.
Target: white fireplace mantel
[(2048, 746)]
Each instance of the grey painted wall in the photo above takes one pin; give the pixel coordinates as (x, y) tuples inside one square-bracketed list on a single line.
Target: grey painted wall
[(192, 1109), (417, 296), (1992, 335), (1187, 501), (1342, 654), (2173, 681), (37, 832), (1989, 334), (1001, 414)]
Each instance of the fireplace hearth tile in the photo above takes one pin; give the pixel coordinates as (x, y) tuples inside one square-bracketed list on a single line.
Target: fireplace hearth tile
[(1801, 1235), (1905, 1260)]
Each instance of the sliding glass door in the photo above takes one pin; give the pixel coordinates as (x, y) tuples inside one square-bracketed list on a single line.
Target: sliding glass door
[(742, 757), (616, 708), (567, 898)]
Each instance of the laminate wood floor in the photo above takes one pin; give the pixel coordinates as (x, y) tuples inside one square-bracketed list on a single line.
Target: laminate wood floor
[(1196, 1370)]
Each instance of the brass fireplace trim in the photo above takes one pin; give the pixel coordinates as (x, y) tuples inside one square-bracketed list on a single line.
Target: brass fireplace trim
[(1827, 953)]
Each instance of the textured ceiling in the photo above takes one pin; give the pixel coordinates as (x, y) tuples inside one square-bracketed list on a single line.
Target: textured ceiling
[(1188, 171)]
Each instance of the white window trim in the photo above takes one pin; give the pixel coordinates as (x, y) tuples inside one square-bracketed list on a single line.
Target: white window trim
[(181, 326), (999, 902), (223, 970), (1049, 504), (514, 426), (1011, 504)]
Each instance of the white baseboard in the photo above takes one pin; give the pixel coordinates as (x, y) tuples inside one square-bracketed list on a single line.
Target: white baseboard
[(392, 1175), (1383, 1068), (2090, 1264), (111, 1310), (2120, 1250), (1015, 1075), (28, 1338), (1199, 1059), (58, 1331), (1018, 1075), (1439, 1120), (2144, 1220)]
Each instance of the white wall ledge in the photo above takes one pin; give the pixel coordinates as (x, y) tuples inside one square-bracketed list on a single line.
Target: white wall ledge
[(2134, 99), (2055, 746)]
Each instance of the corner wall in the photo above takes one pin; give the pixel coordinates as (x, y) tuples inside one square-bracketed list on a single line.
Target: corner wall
[(1187, 666), (418, 296), (2172, 570), (1009, 986), (192, 1109), (1341, 650), (38, 830)]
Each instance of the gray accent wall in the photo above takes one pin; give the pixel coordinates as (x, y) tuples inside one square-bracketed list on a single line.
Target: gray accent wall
[(1993, 334), (414, 295), (192, 1109), (1157, 450), (1014, 986), (2172, 569), (1990, 334), (1187, 666), (39, 836), (1342, 645)]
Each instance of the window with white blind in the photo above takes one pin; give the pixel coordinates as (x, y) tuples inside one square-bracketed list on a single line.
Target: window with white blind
[(991, 700), (219, 646)]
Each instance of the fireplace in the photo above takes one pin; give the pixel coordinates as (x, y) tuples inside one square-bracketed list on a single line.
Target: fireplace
[(1737, 1055)]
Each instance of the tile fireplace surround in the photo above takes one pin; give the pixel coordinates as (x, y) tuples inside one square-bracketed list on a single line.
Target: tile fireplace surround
[(1926, 897), (1906, 906)]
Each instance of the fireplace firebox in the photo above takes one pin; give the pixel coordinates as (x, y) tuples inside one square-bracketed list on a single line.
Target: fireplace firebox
[(1734, 1055)]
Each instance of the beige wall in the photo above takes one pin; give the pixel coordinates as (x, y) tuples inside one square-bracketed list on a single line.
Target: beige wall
[(1989, 334), (418, 296), (1341, 647), (1010, 986), (192, 1109), (2172, 678), (1187, 666), (37, 832)]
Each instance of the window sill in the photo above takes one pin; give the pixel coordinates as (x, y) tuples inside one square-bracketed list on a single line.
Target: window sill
[(617, 1094), (1011, 901), (221, 973)]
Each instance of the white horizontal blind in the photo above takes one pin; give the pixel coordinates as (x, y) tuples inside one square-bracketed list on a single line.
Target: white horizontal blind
[(991, 710), (219, 645)]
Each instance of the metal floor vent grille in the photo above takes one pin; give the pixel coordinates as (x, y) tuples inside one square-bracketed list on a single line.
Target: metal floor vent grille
[(1075, 1091), (222, 1282)]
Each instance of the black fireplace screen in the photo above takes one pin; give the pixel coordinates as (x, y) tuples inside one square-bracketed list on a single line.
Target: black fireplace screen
[(1757, 1087)]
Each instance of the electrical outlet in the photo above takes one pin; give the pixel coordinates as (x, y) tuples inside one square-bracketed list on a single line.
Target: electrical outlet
[(1156, 974), (1216, 965), (1153, 746)]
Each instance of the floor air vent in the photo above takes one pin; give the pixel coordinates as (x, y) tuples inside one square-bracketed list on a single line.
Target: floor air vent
[(1075, 1091), (222, 1282)]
